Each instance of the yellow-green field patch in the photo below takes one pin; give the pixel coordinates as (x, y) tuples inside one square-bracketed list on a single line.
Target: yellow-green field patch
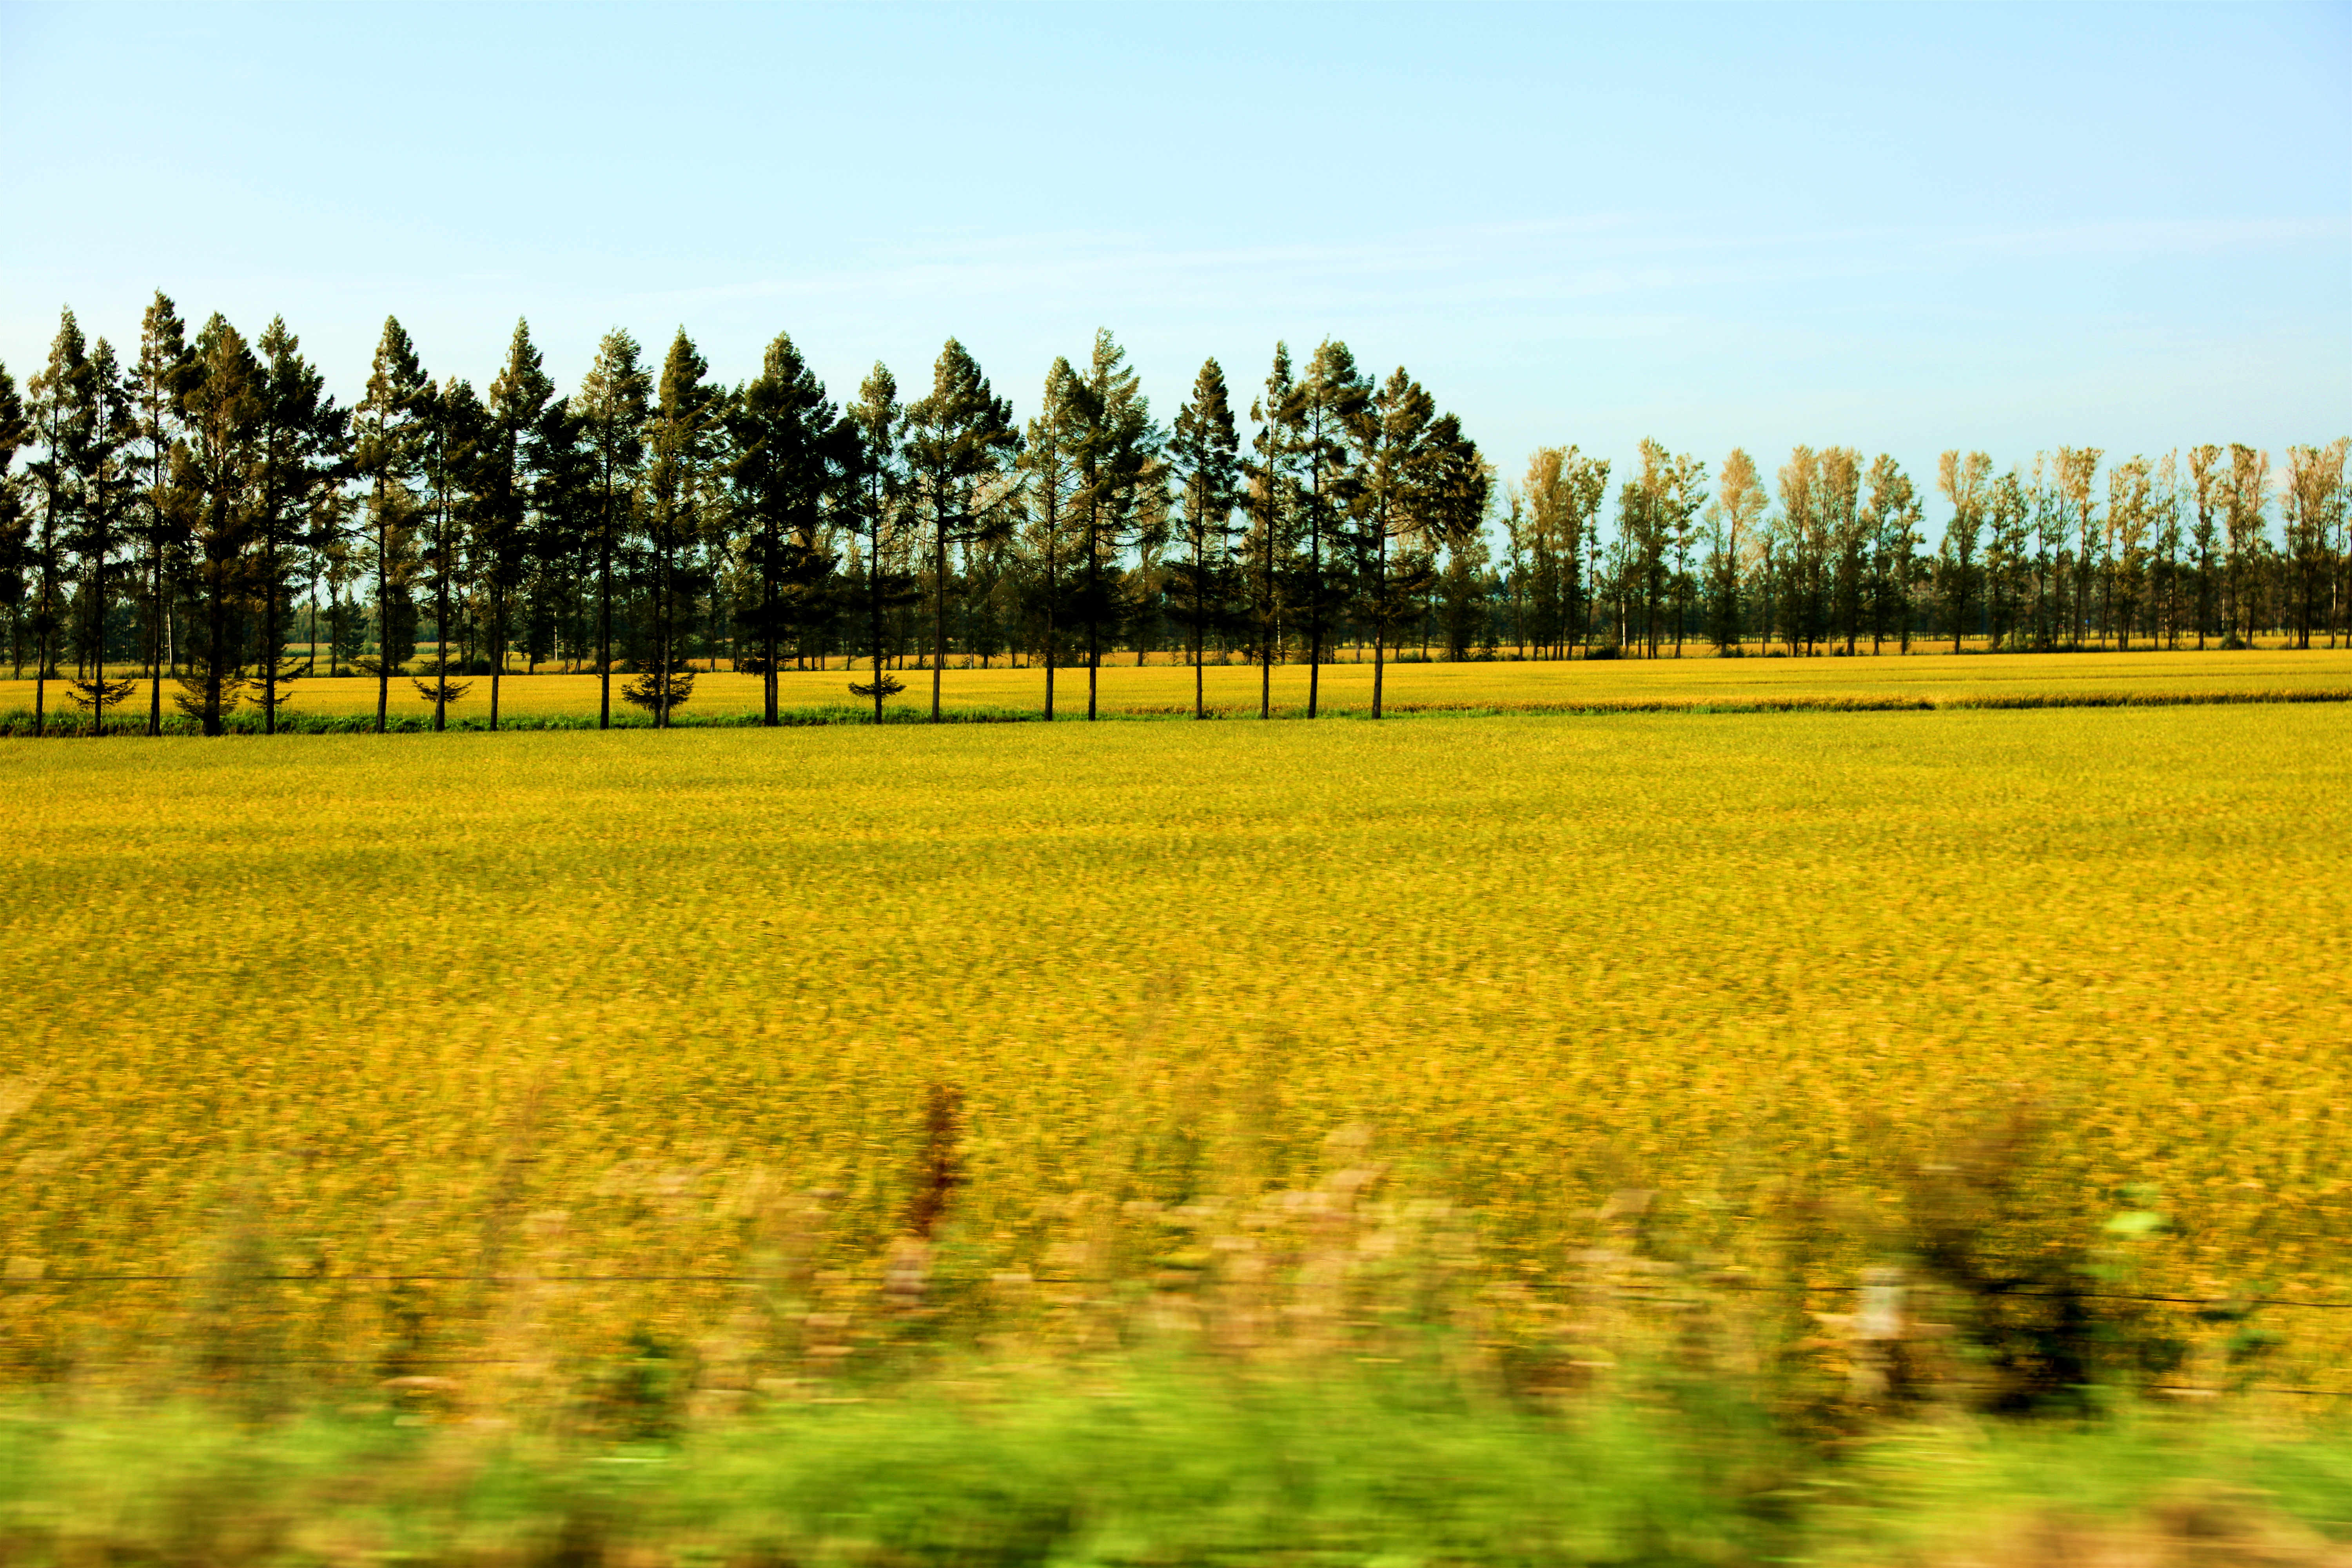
[(590, 1004)]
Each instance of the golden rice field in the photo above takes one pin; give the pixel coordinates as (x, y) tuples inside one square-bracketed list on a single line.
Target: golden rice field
[(516, 1011), (1128, 690)]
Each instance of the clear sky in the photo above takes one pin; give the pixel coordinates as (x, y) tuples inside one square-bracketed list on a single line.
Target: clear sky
[(1901, 229)]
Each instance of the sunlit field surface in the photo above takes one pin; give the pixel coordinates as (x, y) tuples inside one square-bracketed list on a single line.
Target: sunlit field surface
[(515, 1010), (1162, 689)]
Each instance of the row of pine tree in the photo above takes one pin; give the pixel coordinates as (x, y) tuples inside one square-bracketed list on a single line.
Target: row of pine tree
[(204, 509)]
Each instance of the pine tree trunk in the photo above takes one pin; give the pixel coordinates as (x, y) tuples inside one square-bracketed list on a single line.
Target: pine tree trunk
[(497, 647), (441, 622), (1199, 621), (383, 617), (604, 632), (270, 625), (1379, 614), (155, 648), (877, 599), (768, 633), (1265, 629)]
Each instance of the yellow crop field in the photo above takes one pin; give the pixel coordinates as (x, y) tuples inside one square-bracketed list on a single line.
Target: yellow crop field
[(557, 1018), (1160, 687)]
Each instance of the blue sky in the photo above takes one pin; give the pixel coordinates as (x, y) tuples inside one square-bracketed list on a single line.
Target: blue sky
[(1900, 229)]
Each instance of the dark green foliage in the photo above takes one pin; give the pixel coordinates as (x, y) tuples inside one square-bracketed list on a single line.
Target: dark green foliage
[(158, 386), (1394, 499), (213, 476), (59, 408), (612, 408), (1326, 402), (298, 455), (959, 440), (389, 429), (513, 457), (873, 512), (679, 490), (1114, 456), (789, 447), (655, 530), (1203, 461)]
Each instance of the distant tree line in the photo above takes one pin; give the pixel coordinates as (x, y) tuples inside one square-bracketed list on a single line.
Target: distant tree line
[(2035, 559), (202, 511)]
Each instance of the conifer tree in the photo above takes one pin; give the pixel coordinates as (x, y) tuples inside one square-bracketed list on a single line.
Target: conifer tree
[(684, 424), (300, 452), (1272, 489), (612, 408), (1395, 498), (959, 438), (1204, 449), (510, 459), (389, 430), (1050, 492), (874, 507), (59, 407), (1326, 401), (561, 542), (158, 384), (16, 433), (448, 451), (213, 473), (1114, 452), (787, 442), (102, 480)]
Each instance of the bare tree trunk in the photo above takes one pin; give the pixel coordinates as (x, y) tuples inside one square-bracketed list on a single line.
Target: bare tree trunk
[(939, 610)]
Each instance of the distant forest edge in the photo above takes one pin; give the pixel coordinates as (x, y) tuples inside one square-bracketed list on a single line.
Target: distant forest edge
[(181, 521)]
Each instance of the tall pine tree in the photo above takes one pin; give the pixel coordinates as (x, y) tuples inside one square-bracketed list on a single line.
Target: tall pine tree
[(959, 438), (612, 408), (212, 474), (300, 452), (1273, 491), (389, 430), (1203, 450), (873, 507), (1395, 498), (1114, 458), (16, 432), (786, 441), (1050, 492), (158, 386), (509, 461), (448, 452), (1326, 401), (681, 433), (103, 480), (58, 405)]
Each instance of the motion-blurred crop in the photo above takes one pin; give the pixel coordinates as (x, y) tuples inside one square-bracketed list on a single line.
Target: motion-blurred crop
[(446, 1059)]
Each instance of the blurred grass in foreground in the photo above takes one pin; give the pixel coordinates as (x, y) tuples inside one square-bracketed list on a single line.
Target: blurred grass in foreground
[(1134, 1463)]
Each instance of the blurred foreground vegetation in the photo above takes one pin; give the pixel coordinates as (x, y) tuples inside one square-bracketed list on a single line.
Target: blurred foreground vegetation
[(1616, 1138), (1138, 1462)]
